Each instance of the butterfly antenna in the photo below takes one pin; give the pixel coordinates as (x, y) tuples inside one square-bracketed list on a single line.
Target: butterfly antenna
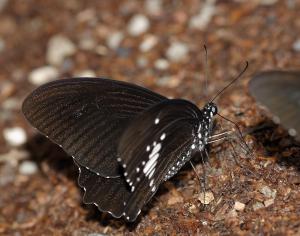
[(206, 67), (233, 81)]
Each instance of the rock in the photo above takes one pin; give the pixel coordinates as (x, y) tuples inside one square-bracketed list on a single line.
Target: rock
[(257, 206), (87, 43), (7, 174), (177, 52), (269, 202), (138, 25), (3, 4), (101, 50), (14, 156), (114, 40), (142, 62), (11, 104), (15, 136), (153, 7), (202, 19), (206, 198), (267, 2), (59, 47), (296, 45), (28, 168), (148, 43), (161, 64), (43, 75), (2, 43), (239, 206), (175, 199), (7, 89), (85, 73), (269, 193)]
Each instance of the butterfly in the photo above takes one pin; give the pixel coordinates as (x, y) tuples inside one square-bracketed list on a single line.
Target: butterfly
[(279, 92), (125, 139)]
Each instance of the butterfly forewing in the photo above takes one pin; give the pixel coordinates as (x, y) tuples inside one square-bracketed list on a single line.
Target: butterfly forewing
[(87, 116), (154, 146)]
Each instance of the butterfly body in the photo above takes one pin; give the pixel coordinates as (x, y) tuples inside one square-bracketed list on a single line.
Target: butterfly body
[(125, 139)]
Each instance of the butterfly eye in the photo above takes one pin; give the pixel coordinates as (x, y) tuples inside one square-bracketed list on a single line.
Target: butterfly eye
[(214, 109)]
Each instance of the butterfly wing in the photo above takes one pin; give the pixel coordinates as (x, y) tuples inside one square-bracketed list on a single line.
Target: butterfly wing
[(108, 194), (279, 91), (154, 146), (86, 117)]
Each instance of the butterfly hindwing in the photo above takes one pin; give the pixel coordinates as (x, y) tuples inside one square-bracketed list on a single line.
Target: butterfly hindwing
[(154, 146), (87, 116)]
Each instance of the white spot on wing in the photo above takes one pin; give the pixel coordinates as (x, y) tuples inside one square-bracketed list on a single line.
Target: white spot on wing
[(163, 136), (156, 121)]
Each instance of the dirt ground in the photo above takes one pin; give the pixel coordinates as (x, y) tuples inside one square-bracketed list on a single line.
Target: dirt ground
[(163, 51)]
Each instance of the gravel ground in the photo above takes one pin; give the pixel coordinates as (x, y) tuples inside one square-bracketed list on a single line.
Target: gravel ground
[(157, 44)]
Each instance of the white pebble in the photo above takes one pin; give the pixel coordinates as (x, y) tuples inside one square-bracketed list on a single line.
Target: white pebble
[(138, 25), (239, 206), (206, 198), (177, 52), (28, 168), (3, 4), (59, 47), (202, 19), (296, 45), (43, 75), (161, 64), (85, 73), (153, 7), (148, 43), (15, 136), (2, 45), (114, 40)]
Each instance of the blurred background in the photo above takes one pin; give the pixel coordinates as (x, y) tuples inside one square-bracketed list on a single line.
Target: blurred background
[(157, 44)]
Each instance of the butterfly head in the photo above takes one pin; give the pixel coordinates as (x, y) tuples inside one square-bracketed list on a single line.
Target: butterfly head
[(210, 110)]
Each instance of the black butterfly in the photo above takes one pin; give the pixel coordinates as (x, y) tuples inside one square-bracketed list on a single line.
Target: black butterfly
[(279, 91), (125, 139)]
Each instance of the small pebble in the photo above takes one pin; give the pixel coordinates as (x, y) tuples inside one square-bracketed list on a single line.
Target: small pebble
[(296, 45), (43, 75), (239, 206), (205, 15), (161, 64), (175, 199), (232, 214), (28, 168), (153, 7), (15, 136), (59, 47), (86, 73), (267, 2), (142, 61), (87, 43), (101, 50), (148, 43), (257, 206), (14, 156), (7, 89), (138, 25), (3, 4), (2, 45), (268, 192), (269, 202), (114, 40), (206, 198), (177, 52)]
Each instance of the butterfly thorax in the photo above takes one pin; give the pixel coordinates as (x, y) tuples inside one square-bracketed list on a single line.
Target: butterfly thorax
[(200, 136)]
